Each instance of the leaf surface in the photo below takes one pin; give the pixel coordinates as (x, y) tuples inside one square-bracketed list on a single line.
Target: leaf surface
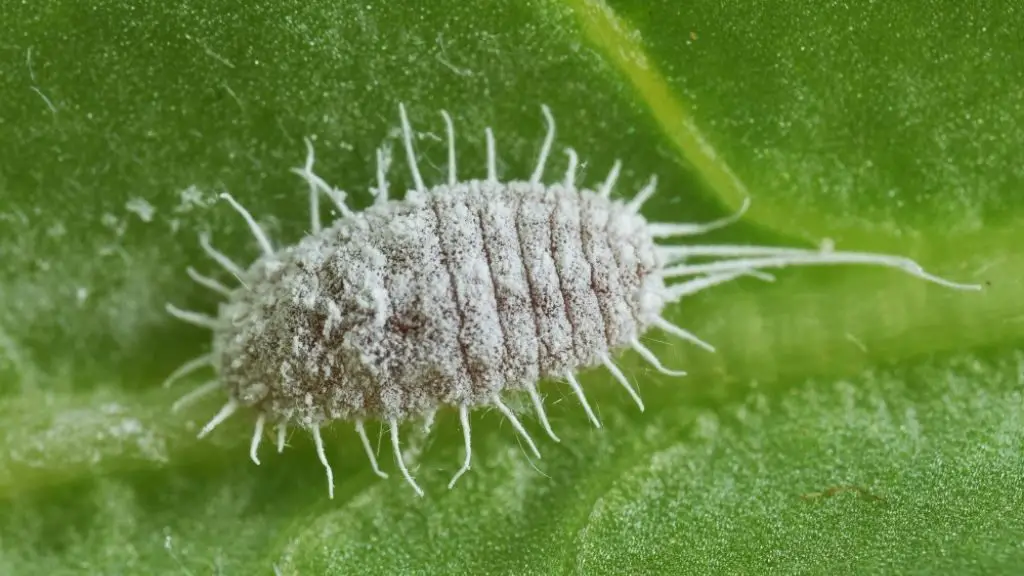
[(852, 419)]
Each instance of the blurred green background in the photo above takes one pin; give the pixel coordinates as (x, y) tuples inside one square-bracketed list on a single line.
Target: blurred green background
[(853, 420)]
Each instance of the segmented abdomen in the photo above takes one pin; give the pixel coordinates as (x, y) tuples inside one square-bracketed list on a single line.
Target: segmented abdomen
[(452, 296)]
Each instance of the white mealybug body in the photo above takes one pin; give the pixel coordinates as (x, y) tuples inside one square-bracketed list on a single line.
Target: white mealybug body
[(454, 296)]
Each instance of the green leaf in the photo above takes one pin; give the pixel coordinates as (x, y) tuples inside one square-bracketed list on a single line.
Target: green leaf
[(852, 419)]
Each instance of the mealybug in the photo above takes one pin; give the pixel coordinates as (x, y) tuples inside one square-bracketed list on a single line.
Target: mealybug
[(455, 295)]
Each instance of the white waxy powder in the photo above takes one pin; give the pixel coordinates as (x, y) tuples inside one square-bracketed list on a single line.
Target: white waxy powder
[(453, 297)]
